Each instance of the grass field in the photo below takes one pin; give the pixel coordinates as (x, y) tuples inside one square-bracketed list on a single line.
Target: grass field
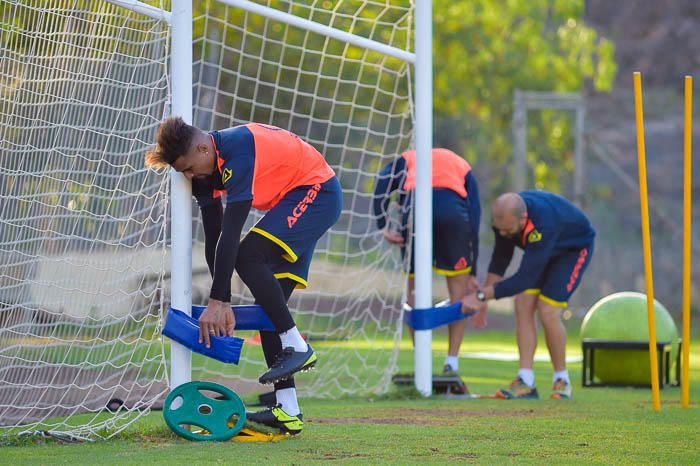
[(599, 426)]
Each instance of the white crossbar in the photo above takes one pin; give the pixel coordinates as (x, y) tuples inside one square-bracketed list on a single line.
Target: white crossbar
[(144, 9), (296, 21)]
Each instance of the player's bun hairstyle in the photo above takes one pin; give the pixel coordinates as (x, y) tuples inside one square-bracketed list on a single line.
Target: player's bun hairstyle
[(173, 140)]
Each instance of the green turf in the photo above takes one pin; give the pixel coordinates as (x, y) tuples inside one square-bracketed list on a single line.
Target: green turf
[(600, 426)]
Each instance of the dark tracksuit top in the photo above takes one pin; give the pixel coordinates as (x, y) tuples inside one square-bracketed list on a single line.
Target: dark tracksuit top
[(554, 226)]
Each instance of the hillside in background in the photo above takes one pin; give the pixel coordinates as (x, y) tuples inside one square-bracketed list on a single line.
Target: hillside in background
[(662, 40)]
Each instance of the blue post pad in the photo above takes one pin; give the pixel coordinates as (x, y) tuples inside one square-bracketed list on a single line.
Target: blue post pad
[(433, 317), (185, 330), (248, 317)]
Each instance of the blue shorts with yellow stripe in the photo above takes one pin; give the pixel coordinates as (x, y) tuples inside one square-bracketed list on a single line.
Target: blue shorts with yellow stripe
[(562, 276), (297, 222), (454, 227)]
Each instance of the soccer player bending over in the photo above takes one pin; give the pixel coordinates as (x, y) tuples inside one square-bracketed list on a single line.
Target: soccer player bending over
[(557, 241), (456, 217), (271, 170)]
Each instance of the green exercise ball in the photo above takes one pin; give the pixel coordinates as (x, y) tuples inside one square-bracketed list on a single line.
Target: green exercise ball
[(623, 317)]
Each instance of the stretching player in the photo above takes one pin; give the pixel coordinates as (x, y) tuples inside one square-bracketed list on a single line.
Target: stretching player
[(271, 170), (456, 217), (557, 240)]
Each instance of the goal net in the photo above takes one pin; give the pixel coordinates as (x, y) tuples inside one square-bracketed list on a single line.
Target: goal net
[(84, 266), (83, 86), (354, 106)]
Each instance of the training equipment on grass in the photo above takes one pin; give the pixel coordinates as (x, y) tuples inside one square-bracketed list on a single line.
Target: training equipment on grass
[(451, 386), (191, 413), (251, 435), (185, 330), (621, 317), (646, 239), (687, 225), (442, 384), (592, 348), (433, 317)]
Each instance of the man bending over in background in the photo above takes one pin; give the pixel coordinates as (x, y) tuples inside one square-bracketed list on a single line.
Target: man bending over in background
[(557, 240), (456, 217)]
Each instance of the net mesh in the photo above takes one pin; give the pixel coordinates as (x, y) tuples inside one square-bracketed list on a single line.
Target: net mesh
[(354, 106), (83, 266), (82, 225)]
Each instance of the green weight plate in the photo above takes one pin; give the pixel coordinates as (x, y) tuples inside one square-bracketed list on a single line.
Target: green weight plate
[(197, 410)]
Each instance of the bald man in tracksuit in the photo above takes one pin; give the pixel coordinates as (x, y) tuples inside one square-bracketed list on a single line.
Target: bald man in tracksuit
[(557, 242)]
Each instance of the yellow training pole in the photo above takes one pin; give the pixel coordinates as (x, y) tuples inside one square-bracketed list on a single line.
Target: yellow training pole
[(646, 240), (687, 202)]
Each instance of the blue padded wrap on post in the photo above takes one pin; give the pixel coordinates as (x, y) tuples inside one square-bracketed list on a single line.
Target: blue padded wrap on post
[(185, 330), (249, 317), (427, 319)]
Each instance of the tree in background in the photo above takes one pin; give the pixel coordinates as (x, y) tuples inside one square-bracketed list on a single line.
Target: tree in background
[(484, 50)]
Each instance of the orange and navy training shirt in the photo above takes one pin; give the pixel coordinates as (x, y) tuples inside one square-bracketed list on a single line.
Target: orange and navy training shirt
[(262, 163), (450, 171), (257, 165), (554, 225)]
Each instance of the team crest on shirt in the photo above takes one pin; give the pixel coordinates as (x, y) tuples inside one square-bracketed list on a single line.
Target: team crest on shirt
[(534, 236), (226, 175)]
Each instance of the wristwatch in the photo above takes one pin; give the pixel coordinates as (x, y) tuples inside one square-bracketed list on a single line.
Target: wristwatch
[(481, 296)]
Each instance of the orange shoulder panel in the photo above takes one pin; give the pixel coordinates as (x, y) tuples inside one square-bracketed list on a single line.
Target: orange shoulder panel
[(283, 162), (449, 170)]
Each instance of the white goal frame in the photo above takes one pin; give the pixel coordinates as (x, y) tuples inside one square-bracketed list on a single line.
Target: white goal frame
[(180, 21)]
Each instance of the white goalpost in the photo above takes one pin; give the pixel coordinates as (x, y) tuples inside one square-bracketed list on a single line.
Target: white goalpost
[(86, 230), (423, 360), (181, 189)]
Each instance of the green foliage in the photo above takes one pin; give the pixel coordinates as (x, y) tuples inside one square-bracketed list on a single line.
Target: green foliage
[(484, 50)]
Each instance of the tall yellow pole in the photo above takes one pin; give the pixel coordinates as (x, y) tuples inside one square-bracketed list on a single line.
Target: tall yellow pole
[(687, 202), (646, 240)]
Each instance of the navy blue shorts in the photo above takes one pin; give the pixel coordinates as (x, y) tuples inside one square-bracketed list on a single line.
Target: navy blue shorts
[(453, 225), (296, 223), (562, 276)]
